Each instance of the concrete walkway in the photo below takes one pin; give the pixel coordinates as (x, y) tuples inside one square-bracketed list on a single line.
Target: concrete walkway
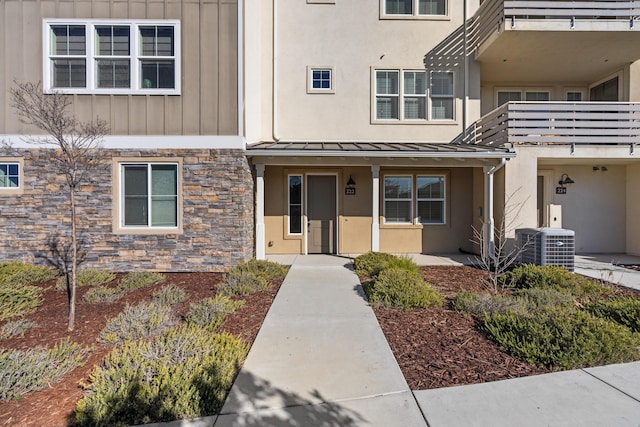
[(320, 358)]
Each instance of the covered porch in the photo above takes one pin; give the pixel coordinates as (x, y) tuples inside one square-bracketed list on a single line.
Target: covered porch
[(350, 198)]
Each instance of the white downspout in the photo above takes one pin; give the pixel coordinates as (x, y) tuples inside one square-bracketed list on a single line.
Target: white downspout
[(241, 69), (465, 99), (274, 70), (260, 233), (375, 209), (489, 237)]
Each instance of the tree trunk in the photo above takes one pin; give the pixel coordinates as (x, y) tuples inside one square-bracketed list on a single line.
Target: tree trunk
[(74, 261)]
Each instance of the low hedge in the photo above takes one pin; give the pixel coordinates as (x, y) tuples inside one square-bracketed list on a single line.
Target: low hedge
[(136, 322), (371, 263), (183, 373), (562, 338), (624, 311), (399, 288), (553, 277)]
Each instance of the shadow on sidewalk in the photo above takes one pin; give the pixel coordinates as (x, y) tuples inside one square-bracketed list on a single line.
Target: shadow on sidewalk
[(255, 402)]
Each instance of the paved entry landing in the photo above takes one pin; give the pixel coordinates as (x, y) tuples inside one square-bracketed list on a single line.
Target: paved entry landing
[(320, 358)]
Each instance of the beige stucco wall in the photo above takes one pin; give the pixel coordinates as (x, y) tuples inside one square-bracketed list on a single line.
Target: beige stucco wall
[(351, 37), (354, 222), (208, 101), (599, 206), (633, 209)]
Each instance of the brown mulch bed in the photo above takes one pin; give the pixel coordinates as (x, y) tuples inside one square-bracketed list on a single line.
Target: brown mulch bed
[(440, 347), (54, 406)]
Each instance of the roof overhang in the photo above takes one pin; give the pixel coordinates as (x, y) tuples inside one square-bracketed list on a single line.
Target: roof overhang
[(380, 153)]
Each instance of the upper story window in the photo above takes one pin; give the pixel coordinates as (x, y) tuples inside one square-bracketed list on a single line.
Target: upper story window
[(415, 7), (401, 95), (442, 95), (320, 80), (112, 57)]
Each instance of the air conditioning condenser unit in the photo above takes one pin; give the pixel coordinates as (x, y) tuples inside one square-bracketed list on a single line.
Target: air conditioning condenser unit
[(547, 246)]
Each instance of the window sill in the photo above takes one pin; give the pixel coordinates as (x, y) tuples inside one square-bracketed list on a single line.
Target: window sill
[(416, 17), (148, 231)]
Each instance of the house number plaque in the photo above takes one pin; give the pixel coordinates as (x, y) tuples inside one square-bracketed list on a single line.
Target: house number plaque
[(561, 190), (350, 191)]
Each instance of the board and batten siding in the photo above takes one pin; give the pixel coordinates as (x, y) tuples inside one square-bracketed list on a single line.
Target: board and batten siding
[(208, 101)]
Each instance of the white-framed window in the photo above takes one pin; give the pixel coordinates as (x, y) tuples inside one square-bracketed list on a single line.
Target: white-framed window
[(387, 95), (111, 56), (149, 195), (10, 176), (400, 95), (414, 7), (442, 95), (505, 95), (430, 196), (414, 92), (320, 80), (295, 204), (398, 199), (574, 95)]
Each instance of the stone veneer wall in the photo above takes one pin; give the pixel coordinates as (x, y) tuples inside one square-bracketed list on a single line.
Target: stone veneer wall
[(218, 226)]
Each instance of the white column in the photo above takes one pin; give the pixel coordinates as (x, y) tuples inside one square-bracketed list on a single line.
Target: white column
[(488, 232), (260, 237), (375, 209)]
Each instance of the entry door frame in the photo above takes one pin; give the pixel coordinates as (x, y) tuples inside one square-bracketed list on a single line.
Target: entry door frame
[(547, 194), (306, 208)]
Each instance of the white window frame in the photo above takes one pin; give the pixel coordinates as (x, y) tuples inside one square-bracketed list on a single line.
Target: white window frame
[(310, 79), (392, 199), (12, 161), (451, 96), (442, 199), (415, 12), (289, 204), (92, 55), (582, 92), (119, 164), (401, 96)]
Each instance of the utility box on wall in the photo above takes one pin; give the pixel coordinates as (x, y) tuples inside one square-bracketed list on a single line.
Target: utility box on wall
[(547, 246)]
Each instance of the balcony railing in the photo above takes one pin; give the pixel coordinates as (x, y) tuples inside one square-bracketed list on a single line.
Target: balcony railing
[(492, 13), (571, 123)]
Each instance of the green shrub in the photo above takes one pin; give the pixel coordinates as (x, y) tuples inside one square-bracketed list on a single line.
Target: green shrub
[(169, 295), (210, 312), (24, 371), (480, 304), (136, 322), (19, 301), (240, 283), (563, 338), (371, 263), (403, 262), (183, 373), (140, 279), (15, 328), (399, 288), (16, 274), (102, 294), (87, 277), (623, 310), (553, 277), (542, 299), (266, 269)]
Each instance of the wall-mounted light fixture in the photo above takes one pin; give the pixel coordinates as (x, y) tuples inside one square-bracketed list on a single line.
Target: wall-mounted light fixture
[(351, 182), (600, 168), (565, 179)]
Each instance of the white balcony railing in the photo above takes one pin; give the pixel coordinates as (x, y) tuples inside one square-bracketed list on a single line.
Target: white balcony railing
[(572, 123), (492, 13)]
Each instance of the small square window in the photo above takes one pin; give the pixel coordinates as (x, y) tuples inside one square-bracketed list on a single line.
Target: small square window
[(320, 80), (414, 8)]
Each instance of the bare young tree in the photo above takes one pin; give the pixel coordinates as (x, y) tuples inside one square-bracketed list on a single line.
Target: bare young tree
[(497, 256), (76, 151)]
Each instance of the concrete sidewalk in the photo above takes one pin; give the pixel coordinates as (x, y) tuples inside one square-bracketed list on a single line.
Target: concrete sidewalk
[(320, 358)]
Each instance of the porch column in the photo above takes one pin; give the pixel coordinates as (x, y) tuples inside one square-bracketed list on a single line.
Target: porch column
[(260, 237), (375, 209), (488, 229)]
